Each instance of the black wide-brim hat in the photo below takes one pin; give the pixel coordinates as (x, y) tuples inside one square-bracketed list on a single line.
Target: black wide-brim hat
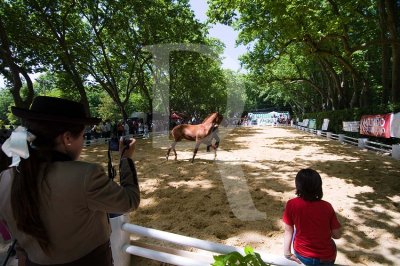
[(55, 109)]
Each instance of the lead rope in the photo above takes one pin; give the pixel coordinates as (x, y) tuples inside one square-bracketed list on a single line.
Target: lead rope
[(112, 174), (10, 251)]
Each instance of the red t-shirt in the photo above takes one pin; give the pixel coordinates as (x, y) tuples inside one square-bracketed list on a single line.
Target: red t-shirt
[(314, 222)]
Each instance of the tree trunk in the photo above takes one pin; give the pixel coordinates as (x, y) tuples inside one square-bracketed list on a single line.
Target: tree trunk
[(385, 63), (66, 58), (333, 88), (8, 59), (393, 25), (79, 85)]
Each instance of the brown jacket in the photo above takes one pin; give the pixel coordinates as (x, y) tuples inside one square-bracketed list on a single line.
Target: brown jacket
[(74, 210)]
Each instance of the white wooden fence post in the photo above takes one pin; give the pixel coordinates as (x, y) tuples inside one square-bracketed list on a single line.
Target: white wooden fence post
[(328, 135), (396, 151), (118, 239), (341, 138), (362, 142), (319, 132)]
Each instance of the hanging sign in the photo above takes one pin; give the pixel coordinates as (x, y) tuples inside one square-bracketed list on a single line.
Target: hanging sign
[(376, 125), (351, 126), (395, 126), (312, 124), (325, 124)]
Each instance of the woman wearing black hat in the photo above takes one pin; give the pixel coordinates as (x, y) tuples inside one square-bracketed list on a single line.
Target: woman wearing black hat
[(55, 206)]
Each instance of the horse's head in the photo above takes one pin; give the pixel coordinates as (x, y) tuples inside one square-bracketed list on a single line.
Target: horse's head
[(216, 119)]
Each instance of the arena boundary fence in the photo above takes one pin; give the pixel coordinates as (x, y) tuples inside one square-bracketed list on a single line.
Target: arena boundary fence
[(123, 247), (363, 143)]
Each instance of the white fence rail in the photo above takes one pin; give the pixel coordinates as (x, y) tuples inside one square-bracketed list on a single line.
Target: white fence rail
[(363, 143), (123, 247), (347, 139)]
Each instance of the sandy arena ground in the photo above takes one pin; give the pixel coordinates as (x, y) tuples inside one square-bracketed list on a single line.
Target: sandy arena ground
[(239, 198)]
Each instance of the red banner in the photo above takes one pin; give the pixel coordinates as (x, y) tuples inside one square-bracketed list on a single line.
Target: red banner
[(376, 125)]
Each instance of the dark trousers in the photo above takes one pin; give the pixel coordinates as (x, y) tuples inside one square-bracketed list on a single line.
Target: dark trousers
[(100, 256)]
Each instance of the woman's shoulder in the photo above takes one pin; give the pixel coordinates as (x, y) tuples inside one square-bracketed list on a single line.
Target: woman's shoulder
[(6, 173), (80, 166)]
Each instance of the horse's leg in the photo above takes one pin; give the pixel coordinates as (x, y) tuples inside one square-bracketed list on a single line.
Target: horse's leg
[(196, 148), (169, 150), (216, 145), (209, 144), (173, 147), (168, 153)]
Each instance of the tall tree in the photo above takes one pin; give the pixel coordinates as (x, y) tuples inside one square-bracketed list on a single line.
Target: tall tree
[(16, 61), (335, 37), (97, 43)]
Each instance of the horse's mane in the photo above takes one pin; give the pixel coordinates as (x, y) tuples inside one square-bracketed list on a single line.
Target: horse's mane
[(208, 117)]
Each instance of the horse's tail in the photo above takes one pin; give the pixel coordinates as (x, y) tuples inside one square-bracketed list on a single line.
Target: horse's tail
[(176, 132), (173, 131)]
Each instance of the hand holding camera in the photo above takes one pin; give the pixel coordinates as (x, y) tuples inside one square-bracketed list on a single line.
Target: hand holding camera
[(126, 147)]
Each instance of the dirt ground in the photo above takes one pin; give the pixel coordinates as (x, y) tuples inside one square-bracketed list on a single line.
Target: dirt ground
[(238, 199)]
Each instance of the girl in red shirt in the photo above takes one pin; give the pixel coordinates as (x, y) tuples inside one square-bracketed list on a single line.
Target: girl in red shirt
[(314, 220)]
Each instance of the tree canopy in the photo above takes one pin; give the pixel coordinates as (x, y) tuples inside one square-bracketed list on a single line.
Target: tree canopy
[(100, 46), (309, 55), (319, 55)]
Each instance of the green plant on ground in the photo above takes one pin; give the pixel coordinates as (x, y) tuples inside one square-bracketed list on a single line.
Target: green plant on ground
[(251, 258)]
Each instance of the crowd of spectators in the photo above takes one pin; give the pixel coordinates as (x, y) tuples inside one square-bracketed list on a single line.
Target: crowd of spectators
[(108, 129)]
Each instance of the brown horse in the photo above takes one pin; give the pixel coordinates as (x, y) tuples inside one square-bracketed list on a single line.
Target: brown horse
[(199, 133)]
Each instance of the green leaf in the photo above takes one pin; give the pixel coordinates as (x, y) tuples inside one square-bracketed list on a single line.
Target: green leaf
[(236, 259)]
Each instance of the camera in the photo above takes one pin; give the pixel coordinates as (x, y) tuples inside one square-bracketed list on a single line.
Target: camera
[(113, 144)]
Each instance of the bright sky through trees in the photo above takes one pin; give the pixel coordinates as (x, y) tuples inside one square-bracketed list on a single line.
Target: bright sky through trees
[(225, 33)]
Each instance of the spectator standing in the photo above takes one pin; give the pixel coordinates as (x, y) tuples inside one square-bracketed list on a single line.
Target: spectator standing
[(103, 130), (140, 128), (94, 131), (88, 133), (145, 131), (120, 129), (55, 206), (126, 129), (108, 129), (135, 127), (310, 222)]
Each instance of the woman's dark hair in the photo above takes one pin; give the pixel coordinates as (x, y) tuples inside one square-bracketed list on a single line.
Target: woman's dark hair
[(25, 197), (309, 185), (5, 161)]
